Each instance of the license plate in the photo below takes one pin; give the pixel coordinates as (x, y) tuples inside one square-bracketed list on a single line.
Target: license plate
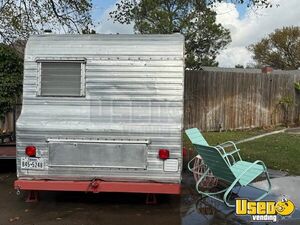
[(32, 163)]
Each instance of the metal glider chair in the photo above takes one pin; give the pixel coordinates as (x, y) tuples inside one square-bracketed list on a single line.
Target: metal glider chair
[(228, 167)]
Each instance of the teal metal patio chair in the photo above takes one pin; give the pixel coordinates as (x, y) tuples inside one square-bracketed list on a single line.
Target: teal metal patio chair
[(228, 167)]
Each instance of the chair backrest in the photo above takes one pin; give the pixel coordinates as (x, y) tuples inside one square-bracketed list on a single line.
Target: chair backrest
[(216, 163), (196, 137)]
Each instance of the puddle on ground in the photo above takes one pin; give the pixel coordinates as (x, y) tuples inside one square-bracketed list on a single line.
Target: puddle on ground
[(80, 208), (199, 210)]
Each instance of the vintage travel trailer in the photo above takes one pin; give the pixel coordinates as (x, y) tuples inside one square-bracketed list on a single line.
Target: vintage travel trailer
[(102, 113)]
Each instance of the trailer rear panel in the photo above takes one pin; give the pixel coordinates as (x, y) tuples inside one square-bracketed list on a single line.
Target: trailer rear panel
[(101, 107)]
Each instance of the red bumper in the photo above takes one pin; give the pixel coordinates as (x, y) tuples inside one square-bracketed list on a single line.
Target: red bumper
[(97, 186)]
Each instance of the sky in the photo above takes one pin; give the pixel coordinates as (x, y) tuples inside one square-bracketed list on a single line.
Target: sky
[(247, 26)]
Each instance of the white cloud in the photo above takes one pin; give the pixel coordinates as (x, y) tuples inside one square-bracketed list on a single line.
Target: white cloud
[(252, 27), (105, 24)]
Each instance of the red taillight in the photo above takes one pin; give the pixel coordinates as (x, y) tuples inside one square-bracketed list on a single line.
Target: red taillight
[(164, 154), (30, 151), (184, 152)]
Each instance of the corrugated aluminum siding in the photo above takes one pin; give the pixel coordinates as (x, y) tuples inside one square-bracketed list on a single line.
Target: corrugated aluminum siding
[(133, 90)]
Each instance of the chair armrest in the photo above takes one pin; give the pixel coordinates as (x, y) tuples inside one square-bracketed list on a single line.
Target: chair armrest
[(221, 149), (232, 152), (254, 163), (228, 144), (223, 153), (235, 150)]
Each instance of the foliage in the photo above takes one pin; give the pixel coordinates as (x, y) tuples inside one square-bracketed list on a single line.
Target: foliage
[(11, 70), (297, 85), (249, 3), (239, 66), (204, 37), (286, 102), (280, 50), (24, 17)]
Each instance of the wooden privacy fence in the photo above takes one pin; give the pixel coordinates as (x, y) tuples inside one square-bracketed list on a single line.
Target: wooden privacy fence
[(229, 100), (234, 100), (8, 124)]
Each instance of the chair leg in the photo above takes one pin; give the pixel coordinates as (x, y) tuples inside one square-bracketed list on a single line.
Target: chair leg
[(229, 190), (209, 194), (202, 178), (266, 192)]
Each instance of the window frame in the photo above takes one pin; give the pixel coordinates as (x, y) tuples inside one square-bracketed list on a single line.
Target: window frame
[(82, 62)]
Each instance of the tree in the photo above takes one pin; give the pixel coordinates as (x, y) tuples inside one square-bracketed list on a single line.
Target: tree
[(249, 3), (280, 50), (197, 22), (239, 66), (11, 70), (21, 18)]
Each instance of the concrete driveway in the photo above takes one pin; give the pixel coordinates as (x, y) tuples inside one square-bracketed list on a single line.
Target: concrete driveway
[(112, 208)]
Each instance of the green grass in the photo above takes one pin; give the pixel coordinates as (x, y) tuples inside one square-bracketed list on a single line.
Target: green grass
[(278, 151)]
